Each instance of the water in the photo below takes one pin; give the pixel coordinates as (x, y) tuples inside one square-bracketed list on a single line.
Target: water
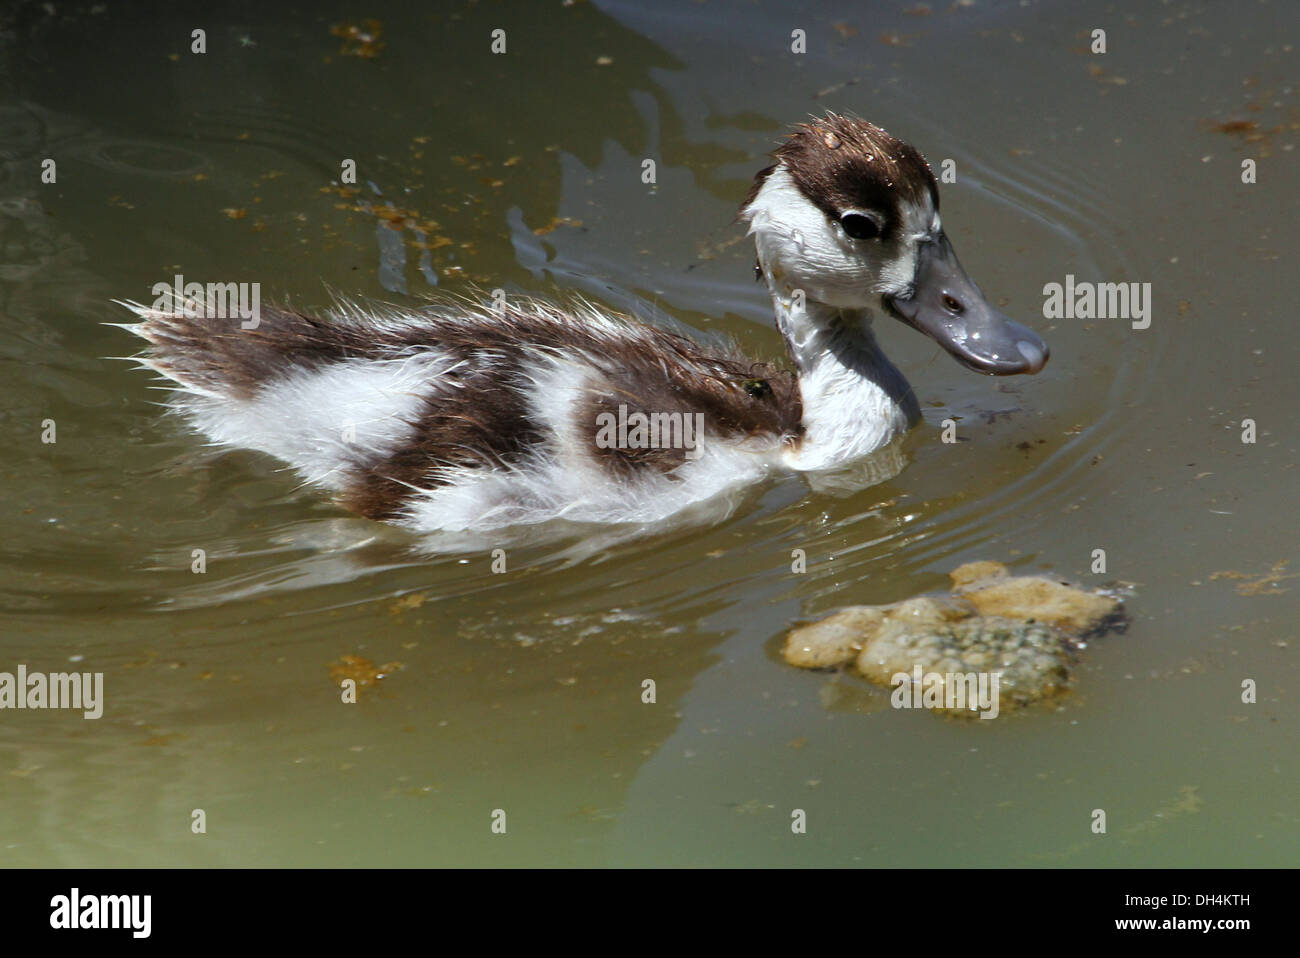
[(522, 691)]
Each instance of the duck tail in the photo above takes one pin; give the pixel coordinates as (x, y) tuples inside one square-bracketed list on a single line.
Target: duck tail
[(223, 356)]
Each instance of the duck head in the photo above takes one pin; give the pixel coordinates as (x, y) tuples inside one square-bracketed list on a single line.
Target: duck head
[(848, 218)]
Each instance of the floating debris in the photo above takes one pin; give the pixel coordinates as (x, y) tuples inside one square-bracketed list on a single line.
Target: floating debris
[(360, 39), (360, 670), (1263, 584), (1027, 629)]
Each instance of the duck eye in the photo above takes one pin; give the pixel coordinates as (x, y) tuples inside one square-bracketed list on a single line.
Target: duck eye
[(860, 226)]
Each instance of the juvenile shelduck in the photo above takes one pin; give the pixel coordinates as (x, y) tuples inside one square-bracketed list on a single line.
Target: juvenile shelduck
[(456, 416)]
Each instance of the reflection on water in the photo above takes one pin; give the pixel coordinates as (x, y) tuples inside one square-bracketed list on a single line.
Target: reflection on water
[(524, 689)]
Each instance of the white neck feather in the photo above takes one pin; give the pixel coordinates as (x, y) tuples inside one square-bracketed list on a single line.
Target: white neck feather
[(854, 399)]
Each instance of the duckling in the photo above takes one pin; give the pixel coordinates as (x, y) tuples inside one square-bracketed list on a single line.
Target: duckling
[(463, 416)]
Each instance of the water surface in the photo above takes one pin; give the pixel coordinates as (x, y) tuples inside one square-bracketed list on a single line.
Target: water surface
[(523, 691)]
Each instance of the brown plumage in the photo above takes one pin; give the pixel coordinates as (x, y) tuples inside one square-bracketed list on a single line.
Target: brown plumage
[(481, 415)]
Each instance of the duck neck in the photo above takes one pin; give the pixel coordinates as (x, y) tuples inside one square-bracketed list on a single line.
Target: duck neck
[(854, 399)]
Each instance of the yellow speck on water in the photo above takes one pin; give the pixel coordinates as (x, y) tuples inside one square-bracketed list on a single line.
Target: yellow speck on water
[(437, 242), (159, 740), (1187, 803), (361, 39), (554, 223), (1265, 584), (412, 601), (1102, 76), (360, 670)]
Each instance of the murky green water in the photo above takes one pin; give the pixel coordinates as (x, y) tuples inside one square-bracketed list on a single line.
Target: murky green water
[(522, 691)]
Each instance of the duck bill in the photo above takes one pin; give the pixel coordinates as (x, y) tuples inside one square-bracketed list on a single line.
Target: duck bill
[(947, 306)]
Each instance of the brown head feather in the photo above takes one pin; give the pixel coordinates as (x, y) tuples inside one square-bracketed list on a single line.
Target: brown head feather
[(843, 163)]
